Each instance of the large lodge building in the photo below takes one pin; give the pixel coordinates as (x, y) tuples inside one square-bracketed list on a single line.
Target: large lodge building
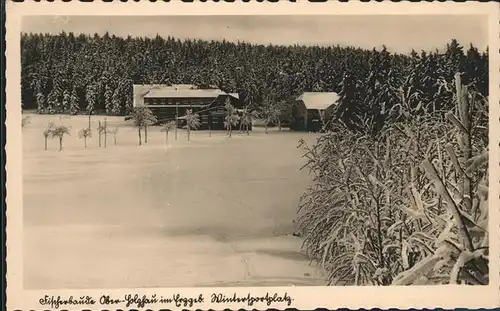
[(170, 102), (310, 112)]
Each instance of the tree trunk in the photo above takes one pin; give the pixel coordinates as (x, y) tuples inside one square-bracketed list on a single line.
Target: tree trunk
[(140, 138), (100, 133), (60, 143), (166, 139), (45, 142), (85, 141), (146, 134), (90, 114), (230, 129), (265, 125), (105, 133), (209, 124), (175, 128), (114, 139), (279, 124), (465, 137), (189, 132)]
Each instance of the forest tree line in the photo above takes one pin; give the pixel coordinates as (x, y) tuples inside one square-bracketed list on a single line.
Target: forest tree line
[(68, 73)]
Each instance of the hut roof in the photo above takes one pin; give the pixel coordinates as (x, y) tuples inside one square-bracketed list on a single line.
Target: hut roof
[(318, 100)]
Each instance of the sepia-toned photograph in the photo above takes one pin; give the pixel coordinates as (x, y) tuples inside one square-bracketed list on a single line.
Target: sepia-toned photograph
[(176, 151), (235, 151)]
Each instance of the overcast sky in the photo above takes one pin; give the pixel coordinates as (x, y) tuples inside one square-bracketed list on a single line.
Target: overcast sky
[(399, 33)]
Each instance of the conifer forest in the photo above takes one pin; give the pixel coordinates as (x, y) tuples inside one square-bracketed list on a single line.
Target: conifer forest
[(76, 73), (399, 192)]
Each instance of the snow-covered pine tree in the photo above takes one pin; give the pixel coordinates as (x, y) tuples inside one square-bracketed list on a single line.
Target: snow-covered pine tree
[(52, 102), (91, 97), (128, 92), (57, 96), (74, 106), (66, 102), (40, 102), (108, 99), (349, 108), (116, 102)]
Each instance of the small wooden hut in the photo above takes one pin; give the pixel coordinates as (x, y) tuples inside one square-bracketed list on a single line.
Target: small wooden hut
[(312, 110)]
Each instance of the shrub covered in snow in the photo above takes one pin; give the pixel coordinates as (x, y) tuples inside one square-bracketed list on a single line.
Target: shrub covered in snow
[(408, 206)]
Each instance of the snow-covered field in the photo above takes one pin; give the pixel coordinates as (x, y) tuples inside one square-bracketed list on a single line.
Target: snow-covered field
[(214, 211)]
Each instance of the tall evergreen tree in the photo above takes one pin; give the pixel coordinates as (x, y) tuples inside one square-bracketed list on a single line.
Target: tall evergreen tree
[(116, 102), (74, 106), (66, 102), (41, 103), (91, 97), (52, 101), (108, 99)]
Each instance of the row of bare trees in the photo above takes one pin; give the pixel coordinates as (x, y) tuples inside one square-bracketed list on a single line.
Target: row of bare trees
[(102, 130), (143, 118), (55, 131)]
